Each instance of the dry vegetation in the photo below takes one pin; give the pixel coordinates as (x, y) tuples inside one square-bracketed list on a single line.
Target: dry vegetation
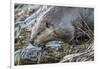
[(79, 49)]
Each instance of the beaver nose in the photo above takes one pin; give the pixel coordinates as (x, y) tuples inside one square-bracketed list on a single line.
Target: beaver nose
[(34, 43), (31, 41)]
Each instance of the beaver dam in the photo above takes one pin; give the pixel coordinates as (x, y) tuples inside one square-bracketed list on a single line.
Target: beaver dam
[(53, 34)]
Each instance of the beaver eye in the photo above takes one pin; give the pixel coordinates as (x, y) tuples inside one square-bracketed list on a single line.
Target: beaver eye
[(38, 33), (47, 24)]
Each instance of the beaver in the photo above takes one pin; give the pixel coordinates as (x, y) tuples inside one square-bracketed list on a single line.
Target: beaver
[(56, 24)]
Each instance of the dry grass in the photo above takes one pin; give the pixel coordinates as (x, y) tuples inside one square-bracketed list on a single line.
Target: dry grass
[(78, 50)]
